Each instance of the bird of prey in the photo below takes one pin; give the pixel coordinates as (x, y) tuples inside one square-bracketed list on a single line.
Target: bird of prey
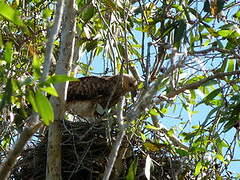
[(85, 95)]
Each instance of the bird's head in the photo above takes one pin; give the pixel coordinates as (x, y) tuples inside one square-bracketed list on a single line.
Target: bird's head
[(129, 83)]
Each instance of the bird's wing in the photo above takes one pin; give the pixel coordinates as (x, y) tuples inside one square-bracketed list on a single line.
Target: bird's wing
[(90, 88)]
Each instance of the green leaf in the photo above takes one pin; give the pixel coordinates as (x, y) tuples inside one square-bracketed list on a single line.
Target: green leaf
[(152, 127), (36, 64), (220, 144), (91, 45), (230, 67), (50, 90), (231, 122), (8, 52), (220, 5), (10, 14), (221, 158), (210, 83), (206, 7), (209, 115), (225, 33), (212, 95), (182, 152), (31, 99), (88, 13), (179, 32), (122, 51), (237, 15), (7, 94), (198, 168), (60, 79), (143, 137), (132, 170), (44, 108), (47, 13), (154, 112), (212, 31)]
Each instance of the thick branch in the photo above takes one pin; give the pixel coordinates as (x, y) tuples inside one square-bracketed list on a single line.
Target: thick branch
[(53, 168), (200, 83)]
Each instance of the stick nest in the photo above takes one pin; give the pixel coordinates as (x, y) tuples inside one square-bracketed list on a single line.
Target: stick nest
[(85, 150)]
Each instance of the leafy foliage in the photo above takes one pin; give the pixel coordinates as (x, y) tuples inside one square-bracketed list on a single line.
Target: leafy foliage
[(194, 42)]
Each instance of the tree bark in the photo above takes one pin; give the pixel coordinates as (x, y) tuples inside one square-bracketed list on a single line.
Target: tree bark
[(53, 168)]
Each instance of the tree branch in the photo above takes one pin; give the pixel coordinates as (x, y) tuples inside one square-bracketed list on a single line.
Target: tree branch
[(117, 144), (52, 37), (199, 83), (146, 98), (18, 148), (53, 167), (224, 51)]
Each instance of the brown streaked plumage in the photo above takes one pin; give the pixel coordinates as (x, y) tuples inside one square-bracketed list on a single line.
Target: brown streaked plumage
[(85, 94)]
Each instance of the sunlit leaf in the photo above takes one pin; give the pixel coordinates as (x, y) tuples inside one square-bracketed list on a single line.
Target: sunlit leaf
[(143, 137), (225, 33), (152, 127), (47, 13), (44, 108), (198, 168), (230, 64), (220, 157), (36, 64), (218, 176), (154, 112), (50, 90), (60, 79), (151, 147), (10, 14)]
